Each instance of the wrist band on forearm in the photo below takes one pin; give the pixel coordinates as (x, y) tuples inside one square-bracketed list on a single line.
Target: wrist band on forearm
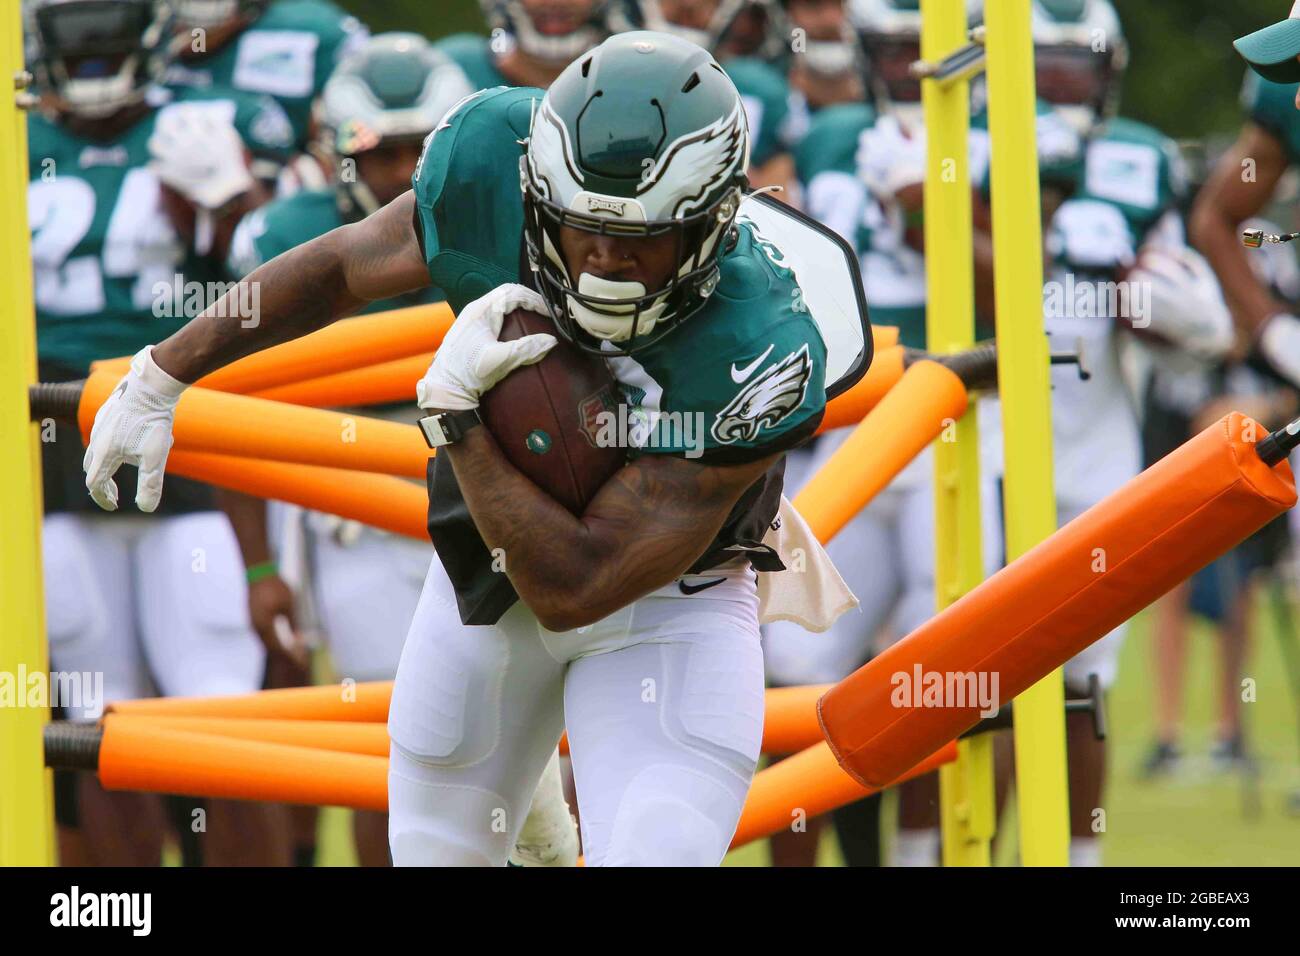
[(260, 572)]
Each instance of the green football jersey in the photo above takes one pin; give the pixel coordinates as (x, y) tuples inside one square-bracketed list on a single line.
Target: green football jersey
[(766, 96), (1132, 181), (828, 162), (284, 223), (288, 53), (108, 266), (472, 52), (1272, 106), (741, 379)]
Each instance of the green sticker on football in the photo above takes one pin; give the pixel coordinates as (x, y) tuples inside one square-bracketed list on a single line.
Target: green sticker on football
[(538, 442)]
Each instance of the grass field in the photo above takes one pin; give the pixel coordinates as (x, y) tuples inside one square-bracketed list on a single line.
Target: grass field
[(1195, 819)]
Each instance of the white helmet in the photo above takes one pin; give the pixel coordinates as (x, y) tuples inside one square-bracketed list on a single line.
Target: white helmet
[(891, 34), (1079, 56)]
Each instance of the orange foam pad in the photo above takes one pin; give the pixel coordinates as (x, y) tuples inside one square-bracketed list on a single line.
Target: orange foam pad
[(381, 501), (344, 345), (852, 406), (352, 702), (134, 755), (345, 736), (1055, 600), (912, 414), (811, 783), (369, 385), (220, 423)]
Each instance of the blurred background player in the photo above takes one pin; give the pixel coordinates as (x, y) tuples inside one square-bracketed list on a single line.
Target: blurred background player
[(750, 38), (863, 168), (531, 41), (285, 49), (144, 599), (361, 584), (1121, 227), (827, 63)]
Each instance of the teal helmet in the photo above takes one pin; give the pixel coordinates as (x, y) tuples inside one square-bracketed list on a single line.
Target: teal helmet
[(523, 28), (96, 57), (756, 28), (645, 136), (393, 89)]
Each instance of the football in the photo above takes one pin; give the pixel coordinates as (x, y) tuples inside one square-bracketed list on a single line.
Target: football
[(545, 416)]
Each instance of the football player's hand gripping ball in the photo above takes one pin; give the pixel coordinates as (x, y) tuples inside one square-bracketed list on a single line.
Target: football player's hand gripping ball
[(133, 427), (471, 360)]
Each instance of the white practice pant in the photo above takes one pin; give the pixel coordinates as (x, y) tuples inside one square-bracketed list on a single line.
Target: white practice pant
[(155, 604), (365, 589), (663, 701)]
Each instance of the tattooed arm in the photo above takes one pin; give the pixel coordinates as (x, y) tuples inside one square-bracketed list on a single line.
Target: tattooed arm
[(303, 290), (644, 528)]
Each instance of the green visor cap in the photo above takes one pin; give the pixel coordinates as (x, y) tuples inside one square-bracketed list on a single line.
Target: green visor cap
[(1272, 51)]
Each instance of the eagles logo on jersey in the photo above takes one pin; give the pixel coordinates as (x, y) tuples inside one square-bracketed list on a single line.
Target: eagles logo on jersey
[(766, 400)]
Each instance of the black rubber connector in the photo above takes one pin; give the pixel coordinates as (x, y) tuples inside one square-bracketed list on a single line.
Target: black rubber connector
[(72, 746), (55, 399)]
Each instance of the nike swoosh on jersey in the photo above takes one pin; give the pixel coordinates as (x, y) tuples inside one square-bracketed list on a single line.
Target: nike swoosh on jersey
[(697, 588), (738, 375)]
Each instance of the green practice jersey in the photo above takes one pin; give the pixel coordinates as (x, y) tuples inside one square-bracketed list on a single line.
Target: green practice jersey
[(1272, 106), (284, 223), (741, 379), (773, 128), (108, 265), (288, 53)]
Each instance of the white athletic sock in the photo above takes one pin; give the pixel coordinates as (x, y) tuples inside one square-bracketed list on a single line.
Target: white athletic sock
[(1085, 851), (548, 836), (916, 848)]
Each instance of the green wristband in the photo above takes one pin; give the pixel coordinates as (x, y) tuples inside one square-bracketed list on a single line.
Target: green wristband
[(260, 572)]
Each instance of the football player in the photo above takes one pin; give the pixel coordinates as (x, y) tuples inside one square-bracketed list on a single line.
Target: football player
[(827, 64), (285, 49), (532, 41), (146, 600), (774, 125), (1243, 184), (1121, 231), (636, 623)]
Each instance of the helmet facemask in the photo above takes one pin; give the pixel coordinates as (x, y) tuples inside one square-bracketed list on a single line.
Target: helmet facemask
[(619, 317), (98, 58)]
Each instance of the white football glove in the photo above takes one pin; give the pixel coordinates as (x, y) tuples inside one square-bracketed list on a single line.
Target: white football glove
[(198, 152), (134, 427), (1186, 303), (1279, 343), (891, 158), (471, 360)]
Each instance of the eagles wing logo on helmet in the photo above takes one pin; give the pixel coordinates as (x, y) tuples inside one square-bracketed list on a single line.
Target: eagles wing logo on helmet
[(765, 401), (694, 166)]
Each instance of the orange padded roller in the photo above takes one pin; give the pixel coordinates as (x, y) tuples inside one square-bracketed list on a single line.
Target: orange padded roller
[(853, 406), (370, 385), (810, 783), (365, 701), (216, 422), (1055, 600), (346, 344), (345, 736), (382, 501), (914, 412), (133, 755)]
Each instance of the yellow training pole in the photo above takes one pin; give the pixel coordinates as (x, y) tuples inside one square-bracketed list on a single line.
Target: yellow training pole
[(1042, 794), (966, 798), (26, 826)]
